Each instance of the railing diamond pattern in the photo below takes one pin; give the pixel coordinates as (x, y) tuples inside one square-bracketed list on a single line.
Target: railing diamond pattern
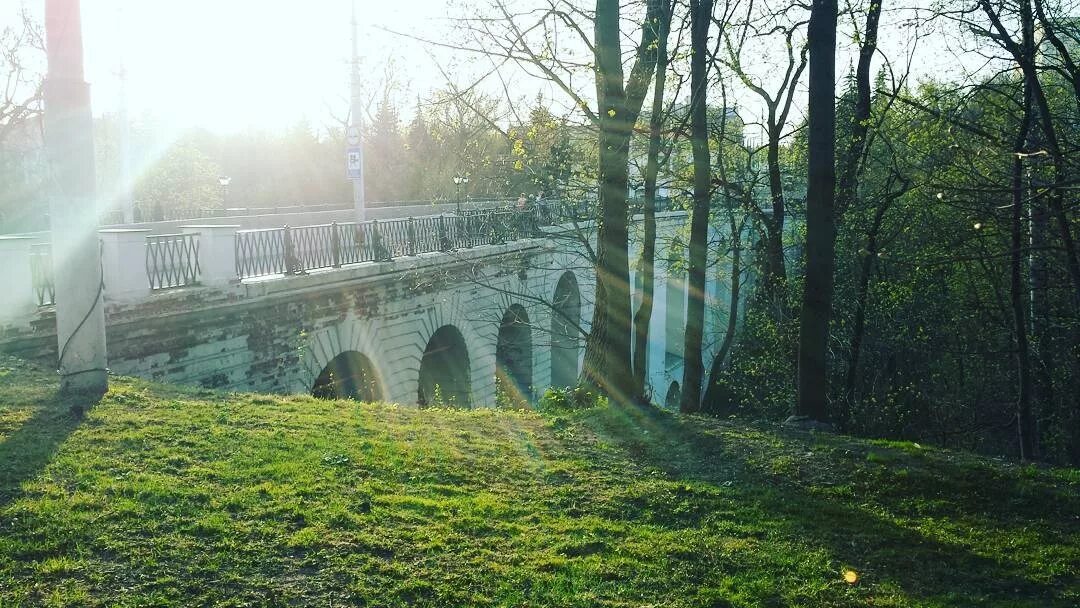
[(172, 260), (41, 273), (296, 250)]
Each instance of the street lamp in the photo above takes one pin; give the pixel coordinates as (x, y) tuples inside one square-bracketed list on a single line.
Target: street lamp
[(460, 180), (224, 181)]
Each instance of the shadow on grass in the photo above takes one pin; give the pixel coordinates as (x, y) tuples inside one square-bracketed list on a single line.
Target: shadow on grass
[(854, 531), (26, 451)]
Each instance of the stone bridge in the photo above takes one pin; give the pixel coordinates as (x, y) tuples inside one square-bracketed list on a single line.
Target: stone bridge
[(450, 307)]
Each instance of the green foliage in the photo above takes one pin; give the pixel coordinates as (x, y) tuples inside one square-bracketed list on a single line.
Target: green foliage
[(569, 398), (759, 381), (937, 353), (184, 178)]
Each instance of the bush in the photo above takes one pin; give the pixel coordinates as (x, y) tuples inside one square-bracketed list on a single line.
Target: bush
[(569, 398)]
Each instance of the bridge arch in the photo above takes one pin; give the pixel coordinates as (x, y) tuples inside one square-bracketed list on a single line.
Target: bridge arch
[(565, 335), (673, 397), (514, 356), (328, 348), (445, 370), (349, 375)]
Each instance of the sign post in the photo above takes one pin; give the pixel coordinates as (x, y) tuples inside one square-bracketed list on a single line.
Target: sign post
[(354, 163)]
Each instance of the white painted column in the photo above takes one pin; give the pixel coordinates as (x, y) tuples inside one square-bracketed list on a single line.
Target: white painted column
[(69, 142), (217, 253), (123, 259), (17, 296)]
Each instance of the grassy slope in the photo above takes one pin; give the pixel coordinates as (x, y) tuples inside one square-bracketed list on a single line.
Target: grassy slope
[(185, 497)]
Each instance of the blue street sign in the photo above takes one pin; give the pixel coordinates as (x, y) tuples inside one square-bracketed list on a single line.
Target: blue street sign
[(354, 162)]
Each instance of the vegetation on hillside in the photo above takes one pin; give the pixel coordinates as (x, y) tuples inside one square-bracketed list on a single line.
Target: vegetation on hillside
[(167, 496)]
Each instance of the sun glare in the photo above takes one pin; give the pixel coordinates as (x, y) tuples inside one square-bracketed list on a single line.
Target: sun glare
[(230, 66)]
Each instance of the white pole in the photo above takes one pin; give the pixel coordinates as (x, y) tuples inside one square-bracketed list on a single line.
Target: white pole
[(127, 204), (69, 141), (356, 121)]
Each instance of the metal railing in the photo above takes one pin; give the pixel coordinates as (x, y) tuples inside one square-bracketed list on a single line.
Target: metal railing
[(660, 204), (172, 260), (295, 250), (41, 273), (147, 214)]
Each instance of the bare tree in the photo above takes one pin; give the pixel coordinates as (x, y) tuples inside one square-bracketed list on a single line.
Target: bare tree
[(760, 24), (20, 97), (657, 116), (22, 50)]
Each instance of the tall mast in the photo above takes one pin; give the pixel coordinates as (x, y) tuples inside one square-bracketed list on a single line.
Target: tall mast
[(127, 204), (353, 136), (69, 142)]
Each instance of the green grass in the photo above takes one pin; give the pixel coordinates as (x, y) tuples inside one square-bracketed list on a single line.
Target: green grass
[(169, 496)]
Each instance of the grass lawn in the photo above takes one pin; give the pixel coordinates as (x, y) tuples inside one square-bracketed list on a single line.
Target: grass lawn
[(170, 496)]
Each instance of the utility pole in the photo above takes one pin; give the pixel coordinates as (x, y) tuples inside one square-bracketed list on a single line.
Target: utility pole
[(354, 151), (127, 203), (69, 141)]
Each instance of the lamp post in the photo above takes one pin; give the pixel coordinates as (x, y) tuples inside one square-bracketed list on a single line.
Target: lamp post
[(460, 180), (224, 182)]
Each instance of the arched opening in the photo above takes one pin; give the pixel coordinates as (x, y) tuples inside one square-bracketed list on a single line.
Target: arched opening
[(674, 396), (565, 337), (350, 375), (444, 370), (513, 358)]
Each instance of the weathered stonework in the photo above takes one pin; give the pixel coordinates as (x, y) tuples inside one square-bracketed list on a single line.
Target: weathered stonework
[(277, 334)]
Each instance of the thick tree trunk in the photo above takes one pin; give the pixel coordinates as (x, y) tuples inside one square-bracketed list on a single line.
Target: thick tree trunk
[(813, 386), (1024, 416), (1039, 316), (607, 347), (848, 193), (693, 368), (772, 288), (607, 365), (711, 400), (1025, 420), (643, 315)]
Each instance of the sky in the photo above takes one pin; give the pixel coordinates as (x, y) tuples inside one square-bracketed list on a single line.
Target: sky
[(229, 65), (234, 65)]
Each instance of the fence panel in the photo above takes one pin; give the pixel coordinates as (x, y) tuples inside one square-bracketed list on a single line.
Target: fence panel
[(41, 273), (290, 250), (172, 260), (260, 252)]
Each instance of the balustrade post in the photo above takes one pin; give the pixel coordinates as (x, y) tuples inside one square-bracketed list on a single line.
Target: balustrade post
[(17, 298), (463, 239), (444, 238), (292, 265), (497, 237), (379, 248), (217, 253), (335, 244), (412, 236), (123, 263)]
